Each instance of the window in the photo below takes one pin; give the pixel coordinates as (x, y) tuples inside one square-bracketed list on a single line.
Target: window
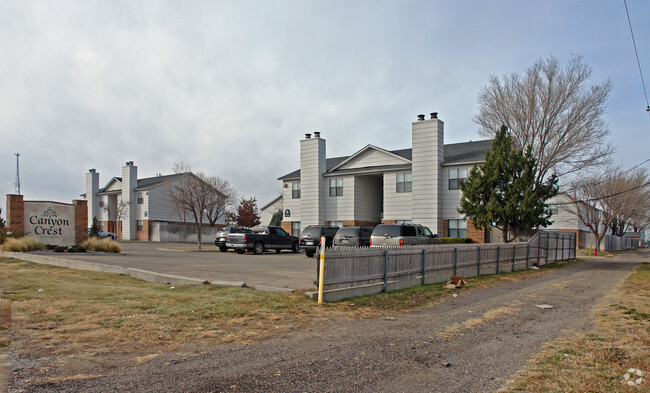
[(404, 182), (295, 228), (400, 222), (553, 210), (455, 177), (336, 187), (295, 190), (336, 224), (139, 225), (101, 203), (457, 228), (140, 198)]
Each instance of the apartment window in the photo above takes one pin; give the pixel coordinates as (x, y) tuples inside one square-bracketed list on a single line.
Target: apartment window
[(404, 183), (139, 225), (295, 227), (101, 203), (553, 210), (401, 222), (295, 190), (455, 177), (457, 228), (336, 187), (336, 224), (140, 198)]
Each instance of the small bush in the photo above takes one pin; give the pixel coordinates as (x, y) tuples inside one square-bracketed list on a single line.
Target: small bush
[(77, 249), (455, 240), (23, 244), (60, 248), (106, 245)]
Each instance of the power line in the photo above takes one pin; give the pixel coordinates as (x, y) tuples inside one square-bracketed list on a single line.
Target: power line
[(603, 197), (603, 180), (637, 58)]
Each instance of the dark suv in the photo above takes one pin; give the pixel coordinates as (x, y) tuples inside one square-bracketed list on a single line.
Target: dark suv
[(310, 238), (353, 236), (220, 239)]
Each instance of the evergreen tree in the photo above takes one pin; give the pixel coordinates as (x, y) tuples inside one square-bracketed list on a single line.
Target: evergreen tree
[(94, 229), (504, 192)]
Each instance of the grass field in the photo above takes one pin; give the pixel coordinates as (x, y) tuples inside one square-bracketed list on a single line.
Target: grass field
[(597, 361)]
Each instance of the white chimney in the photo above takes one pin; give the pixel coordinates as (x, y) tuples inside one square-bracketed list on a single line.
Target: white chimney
[(129, 184), (92, 188), (312, 183)]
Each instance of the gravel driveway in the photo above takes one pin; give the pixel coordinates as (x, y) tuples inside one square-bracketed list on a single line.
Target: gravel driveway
[(471, 343)]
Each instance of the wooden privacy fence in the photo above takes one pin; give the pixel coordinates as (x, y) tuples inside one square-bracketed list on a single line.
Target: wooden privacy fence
[(351, 271)]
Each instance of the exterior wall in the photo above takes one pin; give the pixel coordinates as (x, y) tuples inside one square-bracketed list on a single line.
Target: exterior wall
[(288, 203), (129, 183), (372, 157), (338, 208), (159, 205), (451, 198), (15, 213), (313, 187), (477, 235), (267, 213), (427, 156), (92, 188), (367, 199), (397, 206)]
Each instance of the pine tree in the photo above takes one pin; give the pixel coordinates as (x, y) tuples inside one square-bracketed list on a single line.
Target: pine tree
[(503, 191)]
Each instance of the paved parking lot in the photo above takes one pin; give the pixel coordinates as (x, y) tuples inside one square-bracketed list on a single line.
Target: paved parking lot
[(284, 270)]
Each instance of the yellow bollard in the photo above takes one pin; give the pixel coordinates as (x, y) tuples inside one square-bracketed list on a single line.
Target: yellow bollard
[(321, 270)]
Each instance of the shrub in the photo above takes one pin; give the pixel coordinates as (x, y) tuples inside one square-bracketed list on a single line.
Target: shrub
[(94, 229), (77, 249), (23, 244), (60, 248), (455, 240), (106, 245)]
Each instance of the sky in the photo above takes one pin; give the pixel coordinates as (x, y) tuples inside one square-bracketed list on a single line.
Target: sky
[(230, 87)]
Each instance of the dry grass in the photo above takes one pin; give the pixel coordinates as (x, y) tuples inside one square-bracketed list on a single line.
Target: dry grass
[(23, 244), (105, 244), (597, 361), (458, 328)]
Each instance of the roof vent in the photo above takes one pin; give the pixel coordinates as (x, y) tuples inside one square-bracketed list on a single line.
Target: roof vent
[(316, 134), (307, 136), (434, 115), (420, 117)]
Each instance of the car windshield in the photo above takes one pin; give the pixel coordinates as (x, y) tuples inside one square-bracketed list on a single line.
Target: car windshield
[(313, 232), (387, 230), (343, 232)]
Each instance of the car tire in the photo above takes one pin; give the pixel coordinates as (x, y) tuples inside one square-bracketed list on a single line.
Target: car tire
[(309, 254), (240, 251), (223, 248), (295, 247), (277, 251), (258, 248)]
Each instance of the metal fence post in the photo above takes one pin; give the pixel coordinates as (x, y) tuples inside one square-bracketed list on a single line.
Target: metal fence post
[(424, 264), (478, 272), (527, 254), (562, 247), (548, 246), (385, 270), (514, 255), (455, 261), (557, 244), (498, 257)]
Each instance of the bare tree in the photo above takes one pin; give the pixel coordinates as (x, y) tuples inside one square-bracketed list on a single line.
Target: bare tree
[(554, 111), (181, 166), (220, 200), (116, 214), (198, 196), (610, 200)]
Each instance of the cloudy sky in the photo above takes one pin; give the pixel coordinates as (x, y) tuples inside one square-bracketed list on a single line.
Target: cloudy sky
[(230, 87)]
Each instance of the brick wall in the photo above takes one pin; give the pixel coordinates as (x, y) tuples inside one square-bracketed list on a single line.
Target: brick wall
[(477, 235), (80, 220), (15, 213), (286, 225), (445, 228)]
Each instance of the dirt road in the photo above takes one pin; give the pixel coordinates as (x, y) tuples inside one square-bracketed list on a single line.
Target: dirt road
[(471, 343)]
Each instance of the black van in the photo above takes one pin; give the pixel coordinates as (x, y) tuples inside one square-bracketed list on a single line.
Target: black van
[(310, 238)]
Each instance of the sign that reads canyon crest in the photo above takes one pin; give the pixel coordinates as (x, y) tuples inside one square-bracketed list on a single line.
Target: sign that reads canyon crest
[(50, 222)]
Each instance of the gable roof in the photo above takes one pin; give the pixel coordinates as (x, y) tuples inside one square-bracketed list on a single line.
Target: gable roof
[(146, 183), (366, 149), (455, 153)]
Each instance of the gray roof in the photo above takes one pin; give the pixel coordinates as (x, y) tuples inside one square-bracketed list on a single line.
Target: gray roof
[(455, 153), (146, 183)]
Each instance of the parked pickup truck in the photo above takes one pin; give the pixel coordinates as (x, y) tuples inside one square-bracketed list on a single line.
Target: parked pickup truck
[(262, 238)]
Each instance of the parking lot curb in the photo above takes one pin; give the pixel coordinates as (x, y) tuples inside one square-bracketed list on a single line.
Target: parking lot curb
[(232, 284), (265, 288)]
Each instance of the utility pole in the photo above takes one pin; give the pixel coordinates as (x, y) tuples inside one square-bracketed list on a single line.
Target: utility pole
[(17, 183)]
